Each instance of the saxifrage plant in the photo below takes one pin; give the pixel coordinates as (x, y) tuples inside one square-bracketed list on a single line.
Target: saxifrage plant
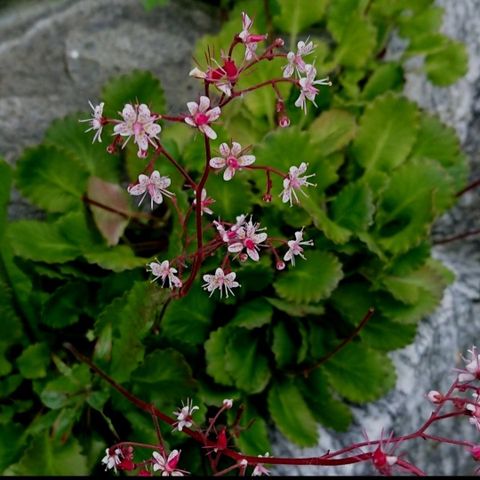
[(283, 347)]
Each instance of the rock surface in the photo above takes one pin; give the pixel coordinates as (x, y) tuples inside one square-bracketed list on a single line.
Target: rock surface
[(56, 54)]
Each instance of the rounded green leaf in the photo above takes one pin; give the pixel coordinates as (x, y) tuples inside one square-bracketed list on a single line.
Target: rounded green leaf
[(360, 374), (388, 76), (387, 132), (253, 314), (310, 280), (291, 414), (245, 362), (51, 178), (215, 351), (447, 65)]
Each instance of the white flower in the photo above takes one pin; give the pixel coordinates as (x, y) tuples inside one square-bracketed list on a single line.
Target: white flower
[(294, 247), (228, 403), (184, 415), (139, 122), (223, 77), (435, 397), (307, 88), (249, 40), (155, 185), (96, 122), (167, 465), (230, 235), (294, 181), (295, 60), (205, 203), (201, 115), (164, 270), (231, 160), (221, 282), (111, 460), (474, 410), (260, 469), (472, 367), (247, 237)]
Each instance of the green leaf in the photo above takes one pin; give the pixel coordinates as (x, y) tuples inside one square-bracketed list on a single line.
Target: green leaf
[(327, 410), (372, 377), (388, 76), (45, 456), (11, 444), (310, 280), (333, 130), (68, 135), (429, 20), (5, 183), (151, 4), (215, 352), (227, 195), (34, 360), (164, 377), (51, 179), (387, 132), (439, 142), (254, 438), (353, 207), (255, 276), (5, 365), (295, 310), (253, 314), (446, 65), (65, 305), (117, 259), (131, 317), (408, 205), (188, 319), (294, 18), (41, 241), (291, 414), (382, 333), (245, 362), (357, 41), (283, 345), (135, 87)]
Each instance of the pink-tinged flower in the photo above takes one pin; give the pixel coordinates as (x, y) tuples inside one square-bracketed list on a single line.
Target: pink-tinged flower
[(475, 452), (96, 121), (308, 89), (221, 282), (205, 203), (167, 465), (260, 469), (231, 159), (201, 115), (295, 60), (164, 271), (295, 181), (294, 247), (383, 462), (184, 415), (228, 403), (155, 185), (112, 458), (248, 238), (139, 123), (249, 40), (230, 235), (472, 367), (223, 77)]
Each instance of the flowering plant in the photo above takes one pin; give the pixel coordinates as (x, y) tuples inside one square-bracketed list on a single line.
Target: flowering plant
[(235, 250)]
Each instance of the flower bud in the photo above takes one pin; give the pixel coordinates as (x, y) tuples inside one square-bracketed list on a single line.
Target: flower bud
[(280, 265), (111, 148), (267, 198), (243, 257), (279, 42), (475, 452), (435, 397), (283, 121), (228, 403)]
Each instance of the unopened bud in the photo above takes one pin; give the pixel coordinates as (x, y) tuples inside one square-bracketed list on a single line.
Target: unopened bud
[(142, 153), (280, 265), (243, 463), (111, 148), (267, 198), (279, 42), (435, 397), (283, 121), (243, 257), (475, 452), (228, 403), (279, 106)]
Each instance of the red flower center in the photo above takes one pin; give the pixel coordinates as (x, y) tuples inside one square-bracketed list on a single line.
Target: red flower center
[(201, 119), (232, 162)]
